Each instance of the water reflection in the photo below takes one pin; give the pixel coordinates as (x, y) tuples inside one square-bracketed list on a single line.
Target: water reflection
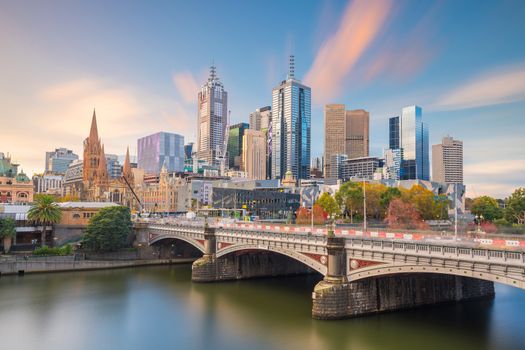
[(159, 307)]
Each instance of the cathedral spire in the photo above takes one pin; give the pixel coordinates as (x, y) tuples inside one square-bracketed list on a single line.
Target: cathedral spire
[(93, 133), (126, 168)]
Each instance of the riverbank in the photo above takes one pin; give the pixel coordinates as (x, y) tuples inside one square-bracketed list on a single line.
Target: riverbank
[(32, 264)]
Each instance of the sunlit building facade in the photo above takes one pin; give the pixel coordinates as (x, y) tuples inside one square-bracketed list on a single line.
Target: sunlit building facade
[(414, 144)]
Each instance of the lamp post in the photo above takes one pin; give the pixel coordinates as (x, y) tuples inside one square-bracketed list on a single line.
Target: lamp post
[(479, 217)]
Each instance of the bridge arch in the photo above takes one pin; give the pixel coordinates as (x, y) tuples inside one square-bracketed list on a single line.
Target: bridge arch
[(394, 269), (189, 240), (304, 259)]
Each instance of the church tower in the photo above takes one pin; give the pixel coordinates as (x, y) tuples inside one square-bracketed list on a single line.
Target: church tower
[(92, 152)]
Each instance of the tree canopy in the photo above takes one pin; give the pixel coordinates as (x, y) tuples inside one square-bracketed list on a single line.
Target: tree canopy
[(329, 204), (7, 227), (108, 230), (487, 207), (515, 207), (45, 212)]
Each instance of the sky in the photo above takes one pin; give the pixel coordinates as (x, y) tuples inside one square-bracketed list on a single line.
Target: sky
[(140, 65)]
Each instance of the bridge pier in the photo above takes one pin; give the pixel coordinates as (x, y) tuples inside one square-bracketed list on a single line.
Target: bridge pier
[(206, 268)]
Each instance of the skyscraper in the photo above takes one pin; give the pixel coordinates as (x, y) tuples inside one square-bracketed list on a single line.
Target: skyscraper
[(58, 160), (334, 134), (235, 145), (346, 132), (261, 118), (291, 122), (212, 109), (254, 154), (158, 149), (447, 161), (357, 130), (414, 144), (393, 132)]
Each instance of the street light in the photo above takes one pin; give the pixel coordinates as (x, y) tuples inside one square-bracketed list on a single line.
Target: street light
[(479, 218)]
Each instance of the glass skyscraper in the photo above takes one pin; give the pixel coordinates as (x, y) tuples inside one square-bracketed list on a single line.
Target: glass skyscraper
[(393, 133), (157, 149), (235, 145), (291, 122), (414, 144)]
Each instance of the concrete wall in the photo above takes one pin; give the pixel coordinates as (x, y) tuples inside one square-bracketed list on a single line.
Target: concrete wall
[(333, 301), (247, 265), (68, 263)]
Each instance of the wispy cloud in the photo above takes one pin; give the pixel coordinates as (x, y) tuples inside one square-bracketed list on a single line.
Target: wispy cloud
[(187, 86), (497, 178), (359, 26), (497, 87), (59, 115)]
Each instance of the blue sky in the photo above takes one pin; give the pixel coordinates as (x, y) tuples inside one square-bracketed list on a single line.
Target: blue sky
[(141, 63)]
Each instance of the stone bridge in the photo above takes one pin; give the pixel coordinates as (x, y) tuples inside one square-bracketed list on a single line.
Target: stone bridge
[(361, 274)]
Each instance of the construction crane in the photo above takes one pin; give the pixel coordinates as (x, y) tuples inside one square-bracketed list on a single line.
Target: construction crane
[(221, 154)]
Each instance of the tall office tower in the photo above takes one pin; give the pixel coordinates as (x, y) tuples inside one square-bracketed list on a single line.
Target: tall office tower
[(447, 161), (414, 143), (336, 167), (235, 145), (334, 134), (392, 166), (291, 122), (58, 160), (393, 132), (188, 150), (254, 154), (261, 118), (158, 149), (357, 133), (212, 114)]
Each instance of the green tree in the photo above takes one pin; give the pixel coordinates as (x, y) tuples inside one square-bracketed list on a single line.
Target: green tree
[(44, 212), (374, 193), (486, 206), (7, 227), (7, 231), (329, 204), (350, 196), (108, 230), (515, 207)]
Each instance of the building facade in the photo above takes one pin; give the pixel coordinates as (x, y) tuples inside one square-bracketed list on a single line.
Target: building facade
[(15, 187), (254, 154), (260, 119), (57, 161), (48, 183), (346, 132), (291, 123), (334, 134), (155, 150), (212, 109), (235, 145), (363, 168), (168, 195), (113, 165), (357, 133), (188, 150), (447, 161), (414, 144)]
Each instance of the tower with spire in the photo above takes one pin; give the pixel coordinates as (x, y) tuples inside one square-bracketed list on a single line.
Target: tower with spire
[(212, 116)]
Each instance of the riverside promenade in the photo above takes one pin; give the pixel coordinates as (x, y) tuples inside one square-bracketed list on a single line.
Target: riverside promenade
[(12, 265)]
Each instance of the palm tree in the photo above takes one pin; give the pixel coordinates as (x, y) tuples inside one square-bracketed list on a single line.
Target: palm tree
[(44, 212)]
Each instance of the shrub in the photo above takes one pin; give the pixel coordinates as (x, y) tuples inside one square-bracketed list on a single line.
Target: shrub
[(48, 251)]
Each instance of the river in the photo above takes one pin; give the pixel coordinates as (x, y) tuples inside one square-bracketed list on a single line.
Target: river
[(159, 308)]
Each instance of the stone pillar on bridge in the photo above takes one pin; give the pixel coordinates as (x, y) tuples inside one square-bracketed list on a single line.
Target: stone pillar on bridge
[(206, 268), (330, 296)]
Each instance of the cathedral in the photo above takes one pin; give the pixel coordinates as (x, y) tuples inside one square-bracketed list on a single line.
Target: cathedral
[(96, 184)]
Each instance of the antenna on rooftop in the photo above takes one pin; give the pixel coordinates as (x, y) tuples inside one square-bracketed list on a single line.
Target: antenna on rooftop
[(291, 69)]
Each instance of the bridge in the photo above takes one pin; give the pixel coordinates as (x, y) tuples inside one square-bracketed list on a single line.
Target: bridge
[(364, 272)]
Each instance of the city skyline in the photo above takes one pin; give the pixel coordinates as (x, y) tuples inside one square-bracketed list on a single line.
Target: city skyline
[(144, 95)]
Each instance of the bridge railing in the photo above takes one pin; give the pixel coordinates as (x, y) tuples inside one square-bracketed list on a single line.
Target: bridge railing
[(434, 250)]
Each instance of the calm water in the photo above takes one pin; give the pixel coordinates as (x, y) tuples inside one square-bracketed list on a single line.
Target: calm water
[(159, 308)]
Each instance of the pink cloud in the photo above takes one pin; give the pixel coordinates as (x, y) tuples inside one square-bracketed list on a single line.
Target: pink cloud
[(187, 86), (359, 26)]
